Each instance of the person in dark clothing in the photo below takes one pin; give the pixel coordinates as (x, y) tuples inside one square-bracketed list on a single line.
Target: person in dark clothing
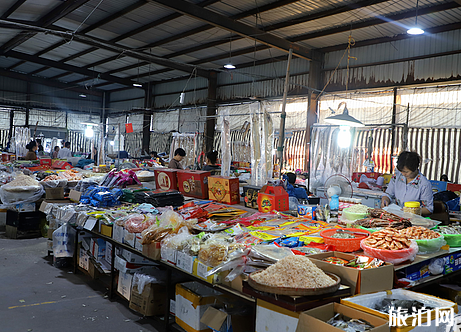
[(31, 154), (444, 178), (211, 158), (179, 155), (293, 191), (39, 145), (154, 156), (95, 152)]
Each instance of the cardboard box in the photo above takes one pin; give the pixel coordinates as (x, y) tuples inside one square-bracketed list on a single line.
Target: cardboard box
[(45, 161), (137, 241), (83, 259), (118, 233), (200, 269), (272, 318), (273, 198), (250, 194), (151, 301), (25, 207), (106, 229), (450, 292), (126, 267), (61, 164), (54, 193), (315, 319), (452, 263), (166, 179), (224, 189), (307, 211), (363, 303), (219, 320), (108, 253), (98, 248), (133, 258), (416, 271), (185, 262), (438, 186), (128, 238), (75, 195), (192, 300), (168, 255), (360, 281), (193, 183), (124, 284), (152, 250)]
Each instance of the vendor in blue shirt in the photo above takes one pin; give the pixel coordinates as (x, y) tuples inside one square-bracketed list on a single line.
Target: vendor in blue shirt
[(299, 193), (408, 184)]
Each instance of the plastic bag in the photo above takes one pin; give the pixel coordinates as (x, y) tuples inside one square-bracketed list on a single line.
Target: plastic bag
[(391, 256), (415, 219), (293, 203), (430, 246), (136, 223), (141, 280), (28, 194), (177, 241), (436, 266), (63, 241)]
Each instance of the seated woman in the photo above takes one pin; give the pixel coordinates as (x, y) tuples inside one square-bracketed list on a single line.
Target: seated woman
[(31, 154), (408, 184), (211, 158)]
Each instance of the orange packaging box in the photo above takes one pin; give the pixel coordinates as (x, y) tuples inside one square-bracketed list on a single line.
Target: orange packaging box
[(224, 189), (273, 198)]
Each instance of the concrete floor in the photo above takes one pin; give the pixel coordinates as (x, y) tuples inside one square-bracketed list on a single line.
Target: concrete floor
[(36, 296)]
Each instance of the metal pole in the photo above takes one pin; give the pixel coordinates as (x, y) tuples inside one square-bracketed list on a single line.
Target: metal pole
[(283, 115), (118, 155)]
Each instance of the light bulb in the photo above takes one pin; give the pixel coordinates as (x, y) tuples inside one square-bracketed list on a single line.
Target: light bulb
[(89, 131), (229, 66), (112, 143), (138, 85), (344, 137), (415, 31)]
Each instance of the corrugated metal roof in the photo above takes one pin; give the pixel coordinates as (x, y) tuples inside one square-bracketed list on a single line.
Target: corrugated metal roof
[(32, 10)]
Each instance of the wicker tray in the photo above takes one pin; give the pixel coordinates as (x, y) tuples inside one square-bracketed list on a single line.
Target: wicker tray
[(295, 291)]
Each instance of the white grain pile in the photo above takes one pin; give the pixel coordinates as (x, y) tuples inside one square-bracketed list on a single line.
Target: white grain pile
[(357, 208), (295, 272), (22, 180)]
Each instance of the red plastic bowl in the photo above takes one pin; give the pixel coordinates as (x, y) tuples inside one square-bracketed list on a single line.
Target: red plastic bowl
[(344, 245)]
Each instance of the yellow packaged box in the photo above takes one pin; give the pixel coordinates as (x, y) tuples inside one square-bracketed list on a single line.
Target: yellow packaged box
[(224, 189), (367, 302), (192, 300)]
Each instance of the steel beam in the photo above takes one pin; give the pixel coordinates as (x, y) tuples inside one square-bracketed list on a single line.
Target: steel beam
[(12, 9), (54, 15), (244, 30), (64, 66)]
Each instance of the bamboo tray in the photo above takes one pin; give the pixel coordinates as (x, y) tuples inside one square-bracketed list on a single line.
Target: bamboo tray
[(295, 291)]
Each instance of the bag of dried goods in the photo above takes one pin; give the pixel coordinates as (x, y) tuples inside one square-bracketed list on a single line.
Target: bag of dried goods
[(22, 189), (390, 246), (293, 272), (136, 223), (428, 241)]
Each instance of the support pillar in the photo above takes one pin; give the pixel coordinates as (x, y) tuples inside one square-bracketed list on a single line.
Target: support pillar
[(211, 112), (146, 120)]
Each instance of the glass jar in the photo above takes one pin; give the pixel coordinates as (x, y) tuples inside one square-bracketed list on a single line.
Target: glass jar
[(412, 207)]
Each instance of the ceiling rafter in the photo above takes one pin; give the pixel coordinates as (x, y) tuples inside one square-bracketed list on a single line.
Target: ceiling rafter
[(48, 19), (67, 67), (102, 44), (323, 33), (133, 32), (12, 9), (239, 28), (271, 6), (48, 82)]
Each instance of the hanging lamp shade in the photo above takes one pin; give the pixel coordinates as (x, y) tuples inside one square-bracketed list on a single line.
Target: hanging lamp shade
[(344, 119)]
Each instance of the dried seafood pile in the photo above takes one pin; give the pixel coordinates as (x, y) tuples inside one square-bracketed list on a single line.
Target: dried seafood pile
[(388, 239)]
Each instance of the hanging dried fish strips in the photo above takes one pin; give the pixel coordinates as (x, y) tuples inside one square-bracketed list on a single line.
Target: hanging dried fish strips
[(294, 272)]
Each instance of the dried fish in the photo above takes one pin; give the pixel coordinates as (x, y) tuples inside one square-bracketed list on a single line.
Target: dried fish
[(410, 306), (350, 325)]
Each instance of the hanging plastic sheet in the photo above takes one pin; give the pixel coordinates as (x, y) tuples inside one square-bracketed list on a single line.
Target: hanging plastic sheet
[(327, 157), (225, 144)]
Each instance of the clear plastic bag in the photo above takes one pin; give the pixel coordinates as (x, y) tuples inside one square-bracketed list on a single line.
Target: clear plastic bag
[(20, 194), (63, 241), (54, 183), (391, 256), (436, 266), (177, 241), (430, 246), (136, 223), (141, 280)]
